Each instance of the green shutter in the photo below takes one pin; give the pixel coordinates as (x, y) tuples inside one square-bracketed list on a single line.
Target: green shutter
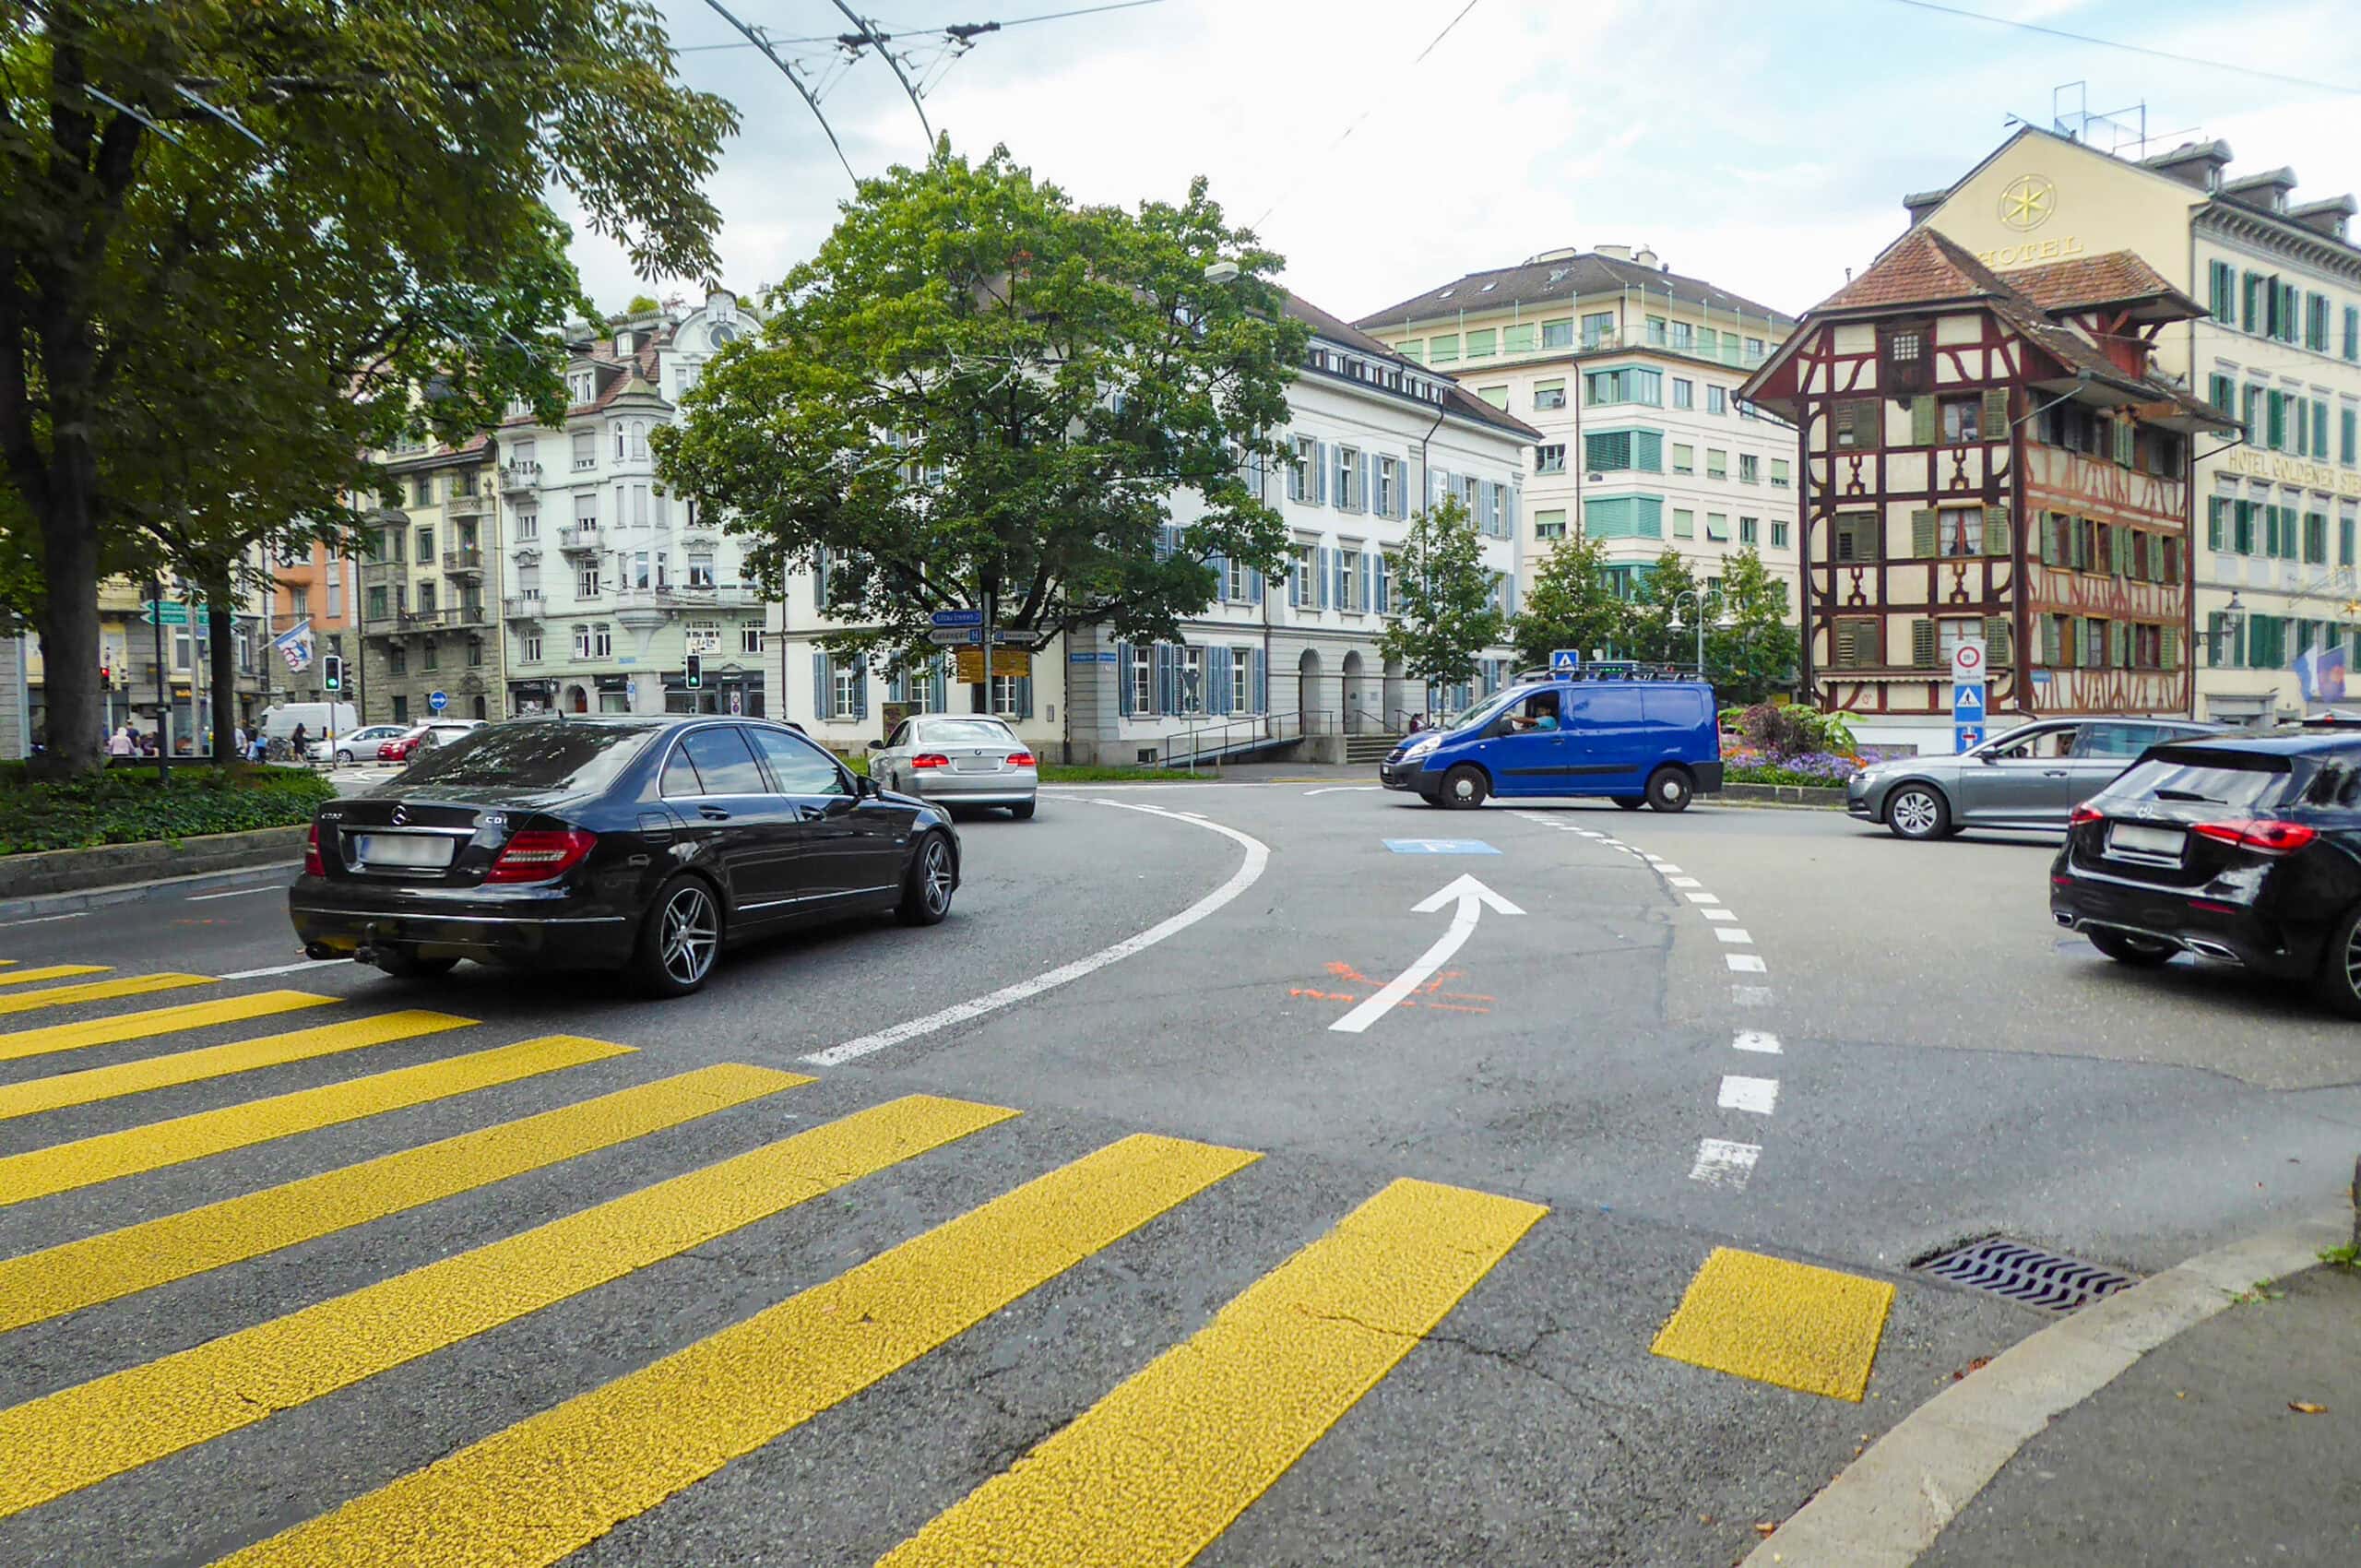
[(2050, 639), (2123, 442), (1922, 532), (1996, 530), (1996, 630), (1995, 424), (2052, 540), (1922, 643), (1924, 416), (2169, 648), (2216, 509)]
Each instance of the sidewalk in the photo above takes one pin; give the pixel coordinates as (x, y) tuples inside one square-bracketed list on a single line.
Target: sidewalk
[(2193, 1455)]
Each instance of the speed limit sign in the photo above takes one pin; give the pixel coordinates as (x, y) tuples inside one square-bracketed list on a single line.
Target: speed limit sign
[(1967, 663)]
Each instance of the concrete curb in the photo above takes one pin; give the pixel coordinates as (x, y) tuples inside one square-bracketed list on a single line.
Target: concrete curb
[(1813, 796), (1890, 1504), (123, 892)]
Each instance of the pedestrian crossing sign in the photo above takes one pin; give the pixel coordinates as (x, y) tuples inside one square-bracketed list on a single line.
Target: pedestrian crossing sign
[(1565, 661), (1967, 703)]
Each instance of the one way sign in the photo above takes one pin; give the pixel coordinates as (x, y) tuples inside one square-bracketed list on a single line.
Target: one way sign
[(1967, 704)]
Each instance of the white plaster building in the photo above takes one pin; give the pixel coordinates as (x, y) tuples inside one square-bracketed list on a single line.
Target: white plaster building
[(1378, 437)]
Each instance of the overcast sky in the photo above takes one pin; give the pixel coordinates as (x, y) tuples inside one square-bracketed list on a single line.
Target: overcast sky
[(1764, 147)]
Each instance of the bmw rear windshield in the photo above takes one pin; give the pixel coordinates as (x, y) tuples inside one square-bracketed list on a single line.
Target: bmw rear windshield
[(536, 755), (2208, 776)]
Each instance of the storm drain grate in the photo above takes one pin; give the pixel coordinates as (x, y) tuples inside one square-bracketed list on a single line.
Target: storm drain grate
[(2038, 1278)]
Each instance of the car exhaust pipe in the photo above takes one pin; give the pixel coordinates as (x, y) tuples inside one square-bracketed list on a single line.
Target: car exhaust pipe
[(318, 950), (2205, 949), (2063, 917)]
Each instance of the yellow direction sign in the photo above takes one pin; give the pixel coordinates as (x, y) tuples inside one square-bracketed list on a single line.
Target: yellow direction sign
[(1005, 661)]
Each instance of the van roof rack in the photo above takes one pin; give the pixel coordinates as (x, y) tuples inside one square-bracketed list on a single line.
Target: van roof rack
[(1614, 670)]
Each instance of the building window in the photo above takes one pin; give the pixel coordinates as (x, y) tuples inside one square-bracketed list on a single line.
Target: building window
[(1192, 680), (1779, 479), (1548, 395), (1481, 345), (1496, 396), (423, 491), (1632, 384), (701, 569), (701, 637), (1959, 531), (1746, 530), (1234, 581), (1684, 336), (1550, 525), (1348, 572), (1348, 473), (1241, 669), (1684, 459), (1444, 349), (1557, 334), (531, 647), (1550, 457), (1414, 349), (750, 636), (1960, 420), (844, 686), (377, 604), (586, 580), (1858, 642), (1778, 534), (1517, 339), (1684, 523), (1856, 536), (585, 449), (426, 547), (1655, 331), (1717, 527), (1143, 679), (1303, 453), (397, 659), (430, 658), (1684, 392), (1854, 423), (1598, 328), (1750, 469), (1717, 400), (475, 653), (1717, 464), (528, 527), (1385, 502)]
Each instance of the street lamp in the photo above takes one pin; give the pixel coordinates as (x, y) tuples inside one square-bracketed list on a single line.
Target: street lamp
[(2234, 620), (1697, 599)]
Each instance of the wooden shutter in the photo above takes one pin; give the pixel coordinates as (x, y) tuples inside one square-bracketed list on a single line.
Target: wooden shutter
[(1922, 643), (1925, 420), (1123, 678), (2051, 639), (2169, 648), (2049, 527), (1924, 543), (1995, 425), (1996, 530), (1996, 646)]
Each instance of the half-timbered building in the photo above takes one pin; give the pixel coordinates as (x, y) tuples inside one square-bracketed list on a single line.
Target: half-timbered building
[(1995, 460)]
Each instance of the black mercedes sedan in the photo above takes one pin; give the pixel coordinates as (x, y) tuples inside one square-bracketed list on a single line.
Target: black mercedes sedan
[(2243, 849), (640, 844)]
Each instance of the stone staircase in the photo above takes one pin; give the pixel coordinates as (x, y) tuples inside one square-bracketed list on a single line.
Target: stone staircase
[(1368, 750)]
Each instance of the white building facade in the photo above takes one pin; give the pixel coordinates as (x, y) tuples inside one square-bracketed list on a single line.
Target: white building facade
[(1292, 657), (611, 582)]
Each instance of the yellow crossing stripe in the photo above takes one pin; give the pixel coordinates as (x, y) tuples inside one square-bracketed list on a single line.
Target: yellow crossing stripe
[(135, 1150), (55, 971), (94, 1084), (558, 1480), (159, 1021), (81, 1436), (139, 1257), (96, 990), (1790, 1324), (1151, 1473)]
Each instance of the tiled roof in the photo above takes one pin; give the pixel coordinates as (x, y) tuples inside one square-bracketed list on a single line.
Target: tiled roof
[(2117, 278), (1457, 400), (1544, 283)]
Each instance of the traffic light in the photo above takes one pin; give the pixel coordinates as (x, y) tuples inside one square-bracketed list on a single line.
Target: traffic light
[(106, 674), (695, 676), (332, 674)]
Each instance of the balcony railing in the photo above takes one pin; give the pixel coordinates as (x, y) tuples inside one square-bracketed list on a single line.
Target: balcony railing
[(523, 473), (580, 537), (468, 561), (735, 596), (584, 465), (465, 505), (522, 607)]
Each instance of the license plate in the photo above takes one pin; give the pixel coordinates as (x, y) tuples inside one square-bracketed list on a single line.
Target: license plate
[(2131, 837), (416, 849), (976, 764)]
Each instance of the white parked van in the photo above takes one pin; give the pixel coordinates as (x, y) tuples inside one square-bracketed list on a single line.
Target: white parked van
[(279, 723)]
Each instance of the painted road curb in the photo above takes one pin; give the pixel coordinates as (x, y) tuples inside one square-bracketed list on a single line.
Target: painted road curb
[(1890, 1504)]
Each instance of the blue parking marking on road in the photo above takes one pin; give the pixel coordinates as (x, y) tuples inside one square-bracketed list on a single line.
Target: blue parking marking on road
[(1440, 847)]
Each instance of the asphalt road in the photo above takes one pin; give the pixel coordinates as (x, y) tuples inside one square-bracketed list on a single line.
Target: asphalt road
[(1168, 1349)]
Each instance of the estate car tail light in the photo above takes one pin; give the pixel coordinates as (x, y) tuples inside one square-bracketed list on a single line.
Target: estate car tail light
[(311, 864), (2085, 813), (930, 759), (536, 854), (2266, 836), (1020, 759)]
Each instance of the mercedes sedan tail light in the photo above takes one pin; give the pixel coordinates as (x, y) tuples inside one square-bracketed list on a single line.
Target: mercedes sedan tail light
[(311, 864), (536, 854)]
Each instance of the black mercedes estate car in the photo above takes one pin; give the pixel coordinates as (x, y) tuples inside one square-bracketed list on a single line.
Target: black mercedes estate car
[(642, 844), (2244, 850)]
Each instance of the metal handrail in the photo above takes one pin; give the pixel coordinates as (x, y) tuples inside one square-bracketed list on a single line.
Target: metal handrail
[(1189, 747)]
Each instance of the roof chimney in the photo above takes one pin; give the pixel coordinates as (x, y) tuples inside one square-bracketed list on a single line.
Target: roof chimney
[(1563, 253), (1646, 256), (1921, 205), (2198, 163), (1615, 253)]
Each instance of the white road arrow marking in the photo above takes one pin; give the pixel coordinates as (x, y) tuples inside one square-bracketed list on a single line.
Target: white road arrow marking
[(1468, 898)]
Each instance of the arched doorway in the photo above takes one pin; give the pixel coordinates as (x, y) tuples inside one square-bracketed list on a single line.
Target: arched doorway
[(1357, 720), (1307, 691), (578, 700), (1398, 697)]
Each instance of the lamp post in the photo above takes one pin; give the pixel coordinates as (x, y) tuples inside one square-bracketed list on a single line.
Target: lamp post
[(2233, 622), (1698, 600)]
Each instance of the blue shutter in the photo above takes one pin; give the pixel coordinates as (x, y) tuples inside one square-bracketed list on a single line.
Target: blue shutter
[(1254, 588), (1217, 665), (898, 685), (1369, 579), (1164, 680), (1220, 563), (1258, 682), (1516, 519), (1368, 466), (1295, 590), (1320, 575), (819, 576), (1320, 473), (1122, 680), (1167, 540), (824, 691), (1511, 601), (860, 689), (1025, 696)]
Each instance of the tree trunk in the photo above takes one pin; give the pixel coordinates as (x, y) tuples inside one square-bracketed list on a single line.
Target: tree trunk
[(220, 626), (75, 723)]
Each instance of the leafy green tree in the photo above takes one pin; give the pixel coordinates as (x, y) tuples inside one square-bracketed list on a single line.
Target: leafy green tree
[(1443, 599), (1757, 655), (1657, 601), (1569, 603), (642, 305), (978, 387), (325, 220)]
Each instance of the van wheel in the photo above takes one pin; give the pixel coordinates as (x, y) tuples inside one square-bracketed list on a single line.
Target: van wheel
[(1462, 787), (1669, 790)]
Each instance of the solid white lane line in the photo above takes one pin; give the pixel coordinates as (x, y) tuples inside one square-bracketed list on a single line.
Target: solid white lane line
[(44, 920), (1718, 914), (235, 893), (1757, 1095), (1747, 963), (286, 968), (1720, 1163), (1733, 933), (1331, 789), (1250, 870), (1762, 1040)]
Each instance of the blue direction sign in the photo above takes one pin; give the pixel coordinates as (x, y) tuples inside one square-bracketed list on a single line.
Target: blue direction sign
[(437, 701), (1565, 660), (957, 618), (1967, 703)]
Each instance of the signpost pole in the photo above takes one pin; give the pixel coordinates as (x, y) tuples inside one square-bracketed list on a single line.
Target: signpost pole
[(989, 607), (163, 684)]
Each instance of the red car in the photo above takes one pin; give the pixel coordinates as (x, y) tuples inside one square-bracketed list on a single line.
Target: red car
[(401, 747)]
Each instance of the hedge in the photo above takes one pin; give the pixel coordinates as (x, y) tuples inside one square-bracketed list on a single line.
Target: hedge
[(131, 805)]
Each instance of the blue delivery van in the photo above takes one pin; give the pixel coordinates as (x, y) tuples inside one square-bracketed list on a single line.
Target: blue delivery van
[(1629, 733)]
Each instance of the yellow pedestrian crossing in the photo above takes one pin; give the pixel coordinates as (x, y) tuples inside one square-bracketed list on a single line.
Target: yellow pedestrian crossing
[(551, 1484), (1151, 1473), (87, 1161), (153, 1023), (139, 1257), (95, 1084), (78, 1436), (52, 971), (95, 991)]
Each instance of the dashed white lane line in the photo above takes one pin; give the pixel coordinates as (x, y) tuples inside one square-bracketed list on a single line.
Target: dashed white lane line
[(295, 968), (1746, 963), (1751, 995), (1718, 914), (1755, 1094), (1249, 872), (1734, 934), (1330, 788), (1760, 1040), (1683, 882), (236, 893), (1702, 898), (1720, 1163), (44, 920)]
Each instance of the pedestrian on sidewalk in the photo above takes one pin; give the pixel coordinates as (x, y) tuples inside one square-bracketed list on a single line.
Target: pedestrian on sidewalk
[(123, 741)]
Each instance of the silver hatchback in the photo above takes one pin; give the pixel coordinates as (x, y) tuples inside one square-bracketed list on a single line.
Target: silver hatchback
[(958, 760), (2033, 776)]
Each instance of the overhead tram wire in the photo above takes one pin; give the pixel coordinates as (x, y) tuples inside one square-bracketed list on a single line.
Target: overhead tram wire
[(871, 38), (2344, 88), (787, 68)]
